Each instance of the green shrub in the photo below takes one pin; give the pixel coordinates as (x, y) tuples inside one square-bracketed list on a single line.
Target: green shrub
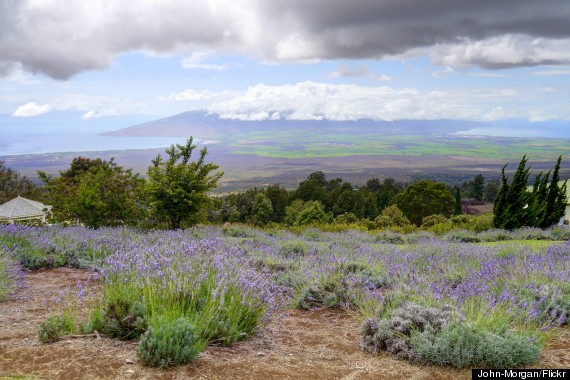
[(465, 345), (123, 317), (53, 328), (292, 249), (432, 220), (9, 275), (393, 334), (169, 344), (462, 236)]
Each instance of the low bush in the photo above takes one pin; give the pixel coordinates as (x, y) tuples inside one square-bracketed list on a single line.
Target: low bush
[(393, 334), (53, 328), (168, 344), (123, 317), (465, 345), (10, 275)]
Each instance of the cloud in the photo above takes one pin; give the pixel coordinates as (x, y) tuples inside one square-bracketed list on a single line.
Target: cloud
[(60, 38), (503, 52), (196, 61), (92, 106), (552, 72), (31, 109), (315, 101)]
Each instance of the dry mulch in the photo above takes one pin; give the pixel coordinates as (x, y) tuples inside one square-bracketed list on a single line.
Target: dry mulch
[(318, 344)]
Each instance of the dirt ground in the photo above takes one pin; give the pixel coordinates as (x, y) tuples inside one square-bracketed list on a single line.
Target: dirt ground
[(318, 344)]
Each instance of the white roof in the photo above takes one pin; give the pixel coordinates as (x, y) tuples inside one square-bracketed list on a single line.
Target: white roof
[(20, 207)]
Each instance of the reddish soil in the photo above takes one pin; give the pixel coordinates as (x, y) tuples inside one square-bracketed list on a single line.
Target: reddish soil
[(319, 344)]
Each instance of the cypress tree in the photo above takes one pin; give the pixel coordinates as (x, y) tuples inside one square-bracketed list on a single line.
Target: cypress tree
[(517, 198), (555, 199), (457, 210), (499, 206)]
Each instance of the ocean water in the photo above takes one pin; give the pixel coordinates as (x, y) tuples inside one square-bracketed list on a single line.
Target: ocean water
[(54, 135)]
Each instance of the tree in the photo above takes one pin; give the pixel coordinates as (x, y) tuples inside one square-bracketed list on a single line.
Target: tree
[(424, 198), (555, 199), (500, 204), (13, 184), (491, 190), (96, 193), (457, 207), (391, 216), (261, 210), (278, 197), (312, 213), (178, 187), (516, 207), (478, 187)]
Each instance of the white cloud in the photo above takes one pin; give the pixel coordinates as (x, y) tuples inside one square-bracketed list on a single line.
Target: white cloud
[(61, 38), (552, 72), (31, 109), (197, 61), (505, 51), (314, 101), (92, 106)]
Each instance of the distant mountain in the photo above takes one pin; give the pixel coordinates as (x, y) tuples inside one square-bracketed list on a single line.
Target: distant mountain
[(205, 125)]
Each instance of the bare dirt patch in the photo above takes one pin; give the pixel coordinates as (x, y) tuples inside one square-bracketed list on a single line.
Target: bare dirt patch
[(317, 344)]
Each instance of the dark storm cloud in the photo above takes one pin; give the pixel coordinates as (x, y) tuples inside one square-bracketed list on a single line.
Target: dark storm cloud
[(61, 38)]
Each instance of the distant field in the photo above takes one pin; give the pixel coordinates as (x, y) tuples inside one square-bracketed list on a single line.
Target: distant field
[(284, 145)]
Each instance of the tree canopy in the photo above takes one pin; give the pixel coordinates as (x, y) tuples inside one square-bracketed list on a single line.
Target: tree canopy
[(425, 198), (178, 187), (96, 193)]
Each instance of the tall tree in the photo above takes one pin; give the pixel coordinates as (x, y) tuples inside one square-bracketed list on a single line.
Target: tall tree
[(13, 184), (457, 210), (517, 197), (424, 198), (478, 187), (500, 205), (178, 188), (555, 200), (96, 193)]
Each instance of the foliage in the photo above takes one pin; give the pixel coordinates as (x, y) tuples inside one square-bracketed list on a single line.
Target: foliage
[(178, 187), (312, 213), (432, 220), (515, 207), (424, 198), (457, 206), (393, 334), (466, 345), (123, 317), (168, 344), (53, 328), (10, 274), (390, 217), (96, 193), (13, 184)]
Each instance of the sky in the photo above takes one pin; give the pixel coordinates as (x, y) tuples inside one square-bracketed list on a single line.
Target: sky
[(484, 60)]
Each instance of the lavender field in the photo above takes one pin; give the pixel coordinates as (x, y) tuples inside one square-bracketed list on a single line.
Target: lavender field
[(463, 299)]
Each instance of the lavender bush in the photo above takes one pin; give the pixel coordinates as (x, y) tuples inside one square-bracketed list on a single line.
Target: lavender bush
[(228, 282)]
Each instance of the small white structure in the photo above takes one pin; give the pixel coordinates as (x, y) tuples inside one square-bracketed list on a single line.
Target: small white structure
[(19, 209)]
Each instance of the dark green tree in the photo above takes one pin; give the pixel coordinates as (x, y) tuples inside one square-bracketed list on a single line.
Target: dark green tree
[(457, 208), (13, 184), (517, 197), (96, 193), (555, 199), (261, 210), (278, 197), (178, 188), (478, 187), (491, 190), (425, 198), (500, 205)]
